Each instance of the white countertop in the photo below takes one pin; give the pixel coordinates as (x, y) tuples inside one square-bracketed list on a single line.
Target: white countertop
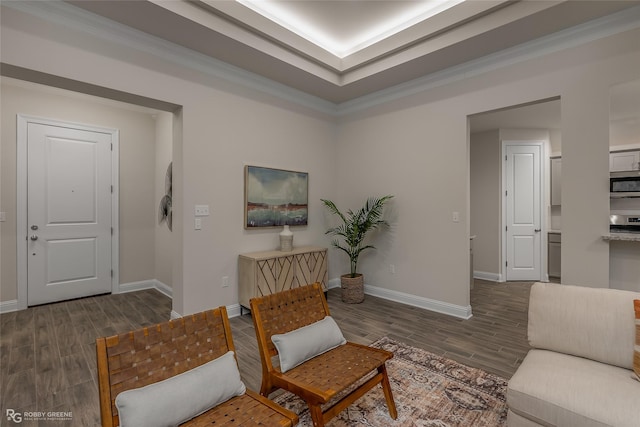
[(623, 237)]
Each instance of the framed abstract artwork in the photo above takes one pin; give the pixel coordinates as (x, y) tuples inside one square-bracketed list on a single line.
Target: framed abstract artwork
[(275, 197)]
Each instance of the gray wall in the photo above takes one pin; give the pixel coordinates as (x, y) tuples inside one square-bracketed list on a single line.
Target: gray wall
[(416, 148)]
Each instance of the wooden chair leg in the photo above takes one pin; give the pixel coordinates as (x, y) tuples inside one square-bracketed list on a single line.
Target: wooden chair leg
[(266, 388), (386, 388), (316, 415)]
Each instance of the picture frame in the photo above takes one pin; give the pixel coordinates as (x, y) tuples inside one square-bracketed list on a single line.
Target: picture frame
[(275, 197)]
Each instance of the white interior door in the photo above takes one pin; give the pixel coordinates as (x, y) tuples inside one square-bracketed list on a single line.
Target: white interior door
[(68, 213), (522, 199)]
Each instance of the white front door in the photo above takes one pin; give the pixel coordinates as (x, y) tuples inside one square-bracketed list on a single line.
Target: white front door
[(68, 212), (522, 200)]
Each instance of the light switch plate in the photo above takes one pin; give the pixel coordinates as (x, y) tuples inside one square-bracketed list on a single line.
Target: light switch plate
[(3, 216)]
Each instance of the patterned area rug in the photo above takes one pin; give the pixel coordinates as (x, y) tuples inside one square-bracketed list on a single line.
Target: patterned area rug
[(429, 391)]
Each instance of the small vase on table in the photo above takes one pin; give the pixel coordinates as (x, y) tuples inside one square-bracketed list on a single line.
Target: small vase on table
[(286, 239)]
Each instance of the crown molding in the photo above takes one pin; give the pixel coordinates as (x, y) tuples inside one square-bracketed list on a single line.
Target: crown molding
[(73, 17), (607, 26), (97, 26)]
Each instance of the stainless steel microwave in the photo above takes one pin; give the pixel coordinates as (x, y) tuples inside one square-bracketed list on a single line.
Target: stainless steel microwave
[(624, 184)]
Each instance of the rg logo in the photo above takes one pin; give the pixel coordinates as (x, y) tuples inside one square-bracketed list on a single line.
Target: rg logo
[(14, 416)]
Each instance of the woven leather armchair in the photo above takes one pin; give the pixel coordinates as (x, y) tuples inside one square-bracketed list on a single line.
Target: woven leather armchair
[(322, 378), (155, 353)]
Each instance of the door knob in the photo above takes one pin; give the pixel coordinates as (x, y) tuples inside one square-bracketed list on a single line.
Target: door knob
[(34, 237), (537, 230), (34, 227)]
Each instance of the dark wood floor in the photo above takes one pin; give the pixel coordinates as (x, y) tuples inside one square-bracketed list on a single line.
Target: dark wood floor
[(47, 353)]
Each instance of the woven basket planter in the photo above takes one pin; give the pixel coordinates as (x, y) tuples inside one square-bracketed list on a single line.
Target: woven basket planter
[(352, 288)]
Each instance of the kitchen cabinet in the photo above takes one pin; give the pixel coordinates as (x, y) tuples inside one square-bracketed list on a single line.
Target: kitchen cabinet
[(556, 181), (268, 272), (554, 241), (624, 161)]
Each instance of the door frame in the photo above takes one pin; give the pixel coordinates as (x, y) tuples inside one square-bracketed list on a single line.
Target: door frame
[(22, 123), (543, 202)]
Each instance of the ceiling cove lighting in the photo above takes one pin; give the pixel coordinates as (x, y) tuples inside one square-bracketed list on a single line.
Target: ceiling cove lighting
[(415, 12)]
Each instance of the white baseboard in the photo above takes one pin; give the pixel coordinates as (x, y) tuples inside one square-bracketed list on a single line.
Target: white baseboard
[(491, 277), (233, 310), (333, 283), (146, 284), (163, 288), (421, 302), (8, 306), (413, 300)]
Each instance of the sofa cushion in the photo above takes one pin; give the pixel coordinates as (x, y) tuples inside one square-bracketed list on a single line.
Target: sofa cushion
[(557, 389), (594, 323), (636, 353)]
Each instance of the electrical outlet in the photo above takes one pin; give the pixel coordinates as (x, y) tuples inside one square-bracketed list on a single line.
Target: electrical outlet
[(202, 210), (225, 281)]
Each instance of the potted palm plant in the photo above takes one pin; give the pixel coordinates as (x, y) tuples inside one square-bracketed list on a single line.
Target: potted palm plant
[(353, 230)]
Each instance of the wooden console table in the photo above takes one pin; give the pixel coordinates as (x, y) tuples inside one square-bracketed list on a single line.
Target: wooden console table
[(264, 273)]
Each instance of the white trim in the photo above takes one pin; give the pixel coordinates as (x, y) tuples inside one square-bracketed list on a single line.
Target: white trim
[(73, 17), (114, 32), (125, 288), (412, 300), (22, 122), (578, 35), (483, 275), (233, 310), (544, 159), (115, 209), (622, 148), (421, 302), (164, 289), (333, 283), (21, 210), (8, 306)]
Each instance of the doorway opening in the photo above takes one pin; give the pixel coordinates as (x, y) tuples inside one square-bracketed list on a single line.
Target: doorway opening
[(536, 123), (142, 241)]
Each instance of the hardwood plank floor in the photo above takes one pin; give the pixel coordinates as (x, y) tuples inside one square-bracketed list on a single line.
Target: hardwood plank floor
[(47, 353)]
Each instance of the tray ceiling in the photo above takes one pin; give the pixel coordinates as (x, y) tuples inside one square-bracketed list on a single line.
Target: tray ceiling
[(341, 50)]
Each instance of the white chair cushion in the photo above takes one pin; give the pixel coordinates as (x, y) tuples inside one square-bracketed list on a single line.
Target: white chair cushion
[(305, 343), (177, 399)]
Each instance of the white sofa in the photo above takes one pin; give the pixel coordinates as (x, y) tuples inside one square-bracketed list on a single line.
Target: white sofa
[(579, 371)]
